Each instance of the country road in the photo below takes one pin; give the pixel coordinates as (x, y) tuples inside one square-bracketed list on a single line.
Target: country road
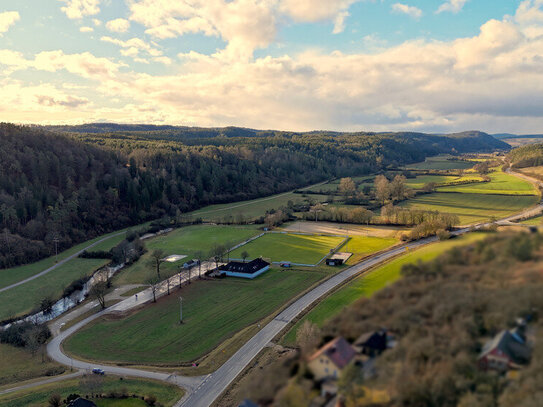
[(60, 263), (202, 391)]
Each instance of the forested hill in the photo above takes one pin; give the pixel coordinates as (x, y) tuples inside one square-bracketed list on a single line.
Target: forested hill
[(74, 186), (526, 156)]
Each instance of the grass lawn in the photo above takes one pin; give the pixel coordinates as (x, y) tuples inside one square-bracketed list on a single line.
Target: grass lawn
[(167, 395), (19, 365), (500, 183), (367, 284), (362, 246), (302, 249), (472, 208), (15, 274), (213, 311), (185, 241), (441, 163), (255, 208), (22, 299)]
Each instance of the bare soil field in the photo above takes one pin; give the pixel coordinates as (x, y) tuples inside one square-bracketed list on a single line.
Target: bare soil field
[(343, 229)]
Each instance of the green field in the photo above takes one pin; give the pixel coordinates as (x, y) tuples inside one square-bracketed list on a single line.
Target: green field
[(537, 221), (302, 249), (19, 365), (500, 183), (184, 241), (472, 208), (167, 395), (213, 311), (253, 209), (362, 246), (441, 163), (15, 274), (24, 298), (371, 282)]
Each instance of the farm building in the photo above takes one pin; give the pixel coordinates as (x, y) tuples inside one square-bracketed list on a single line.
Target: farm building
[(245, 270), (505, 351), (337, 259), (330, 360)]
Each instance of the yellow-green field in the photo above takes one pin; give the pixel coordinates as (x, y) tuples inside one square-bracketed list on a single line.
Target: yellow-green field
[(500, 183), (368, 284), (295, 248)]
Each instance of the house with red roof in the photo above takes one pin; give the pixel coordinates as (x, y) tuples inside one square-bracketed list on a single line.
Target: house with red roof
[(330, 360)]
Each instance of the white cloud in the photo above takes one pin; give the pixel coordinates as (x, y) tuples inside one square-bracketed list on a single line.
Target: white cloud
[(86, 29), (7, 19), (133, 47), (77, 9), (453, 6), (119, 25), (314, 10), (411, 11), (96, 22), (85, 64)]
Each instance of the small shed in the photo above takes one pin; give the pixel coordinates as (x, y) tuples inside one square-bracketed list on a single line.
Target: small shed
[(337, 259)]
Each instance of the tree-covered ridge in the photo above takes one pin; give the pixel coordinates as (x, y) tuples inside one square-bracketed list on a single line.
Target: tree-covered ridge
[(71, 187), (527, 156)]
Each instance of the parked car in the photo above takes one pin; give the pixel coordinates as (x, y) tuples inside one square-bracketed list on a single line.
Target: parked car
[(98, 371)]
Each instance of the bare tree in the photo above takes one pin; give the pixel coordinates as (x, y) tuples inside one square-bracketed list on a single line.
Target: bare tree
[(98, 291), (55, 400), (217, 253), (244, 255), (157, 258), (189, 271), (199, 255), (32, 339), (382, 189), (168, 284), (153, 283), (307, 338), (347, 187)]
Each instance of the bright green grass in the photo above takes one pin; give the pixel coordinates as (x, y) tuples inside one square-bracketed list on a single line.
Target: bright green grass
[(166, 395), (367, 284), (441, 163), (213, 311), (22, 299), (472, 208), (15, 274), (421, 180), (255, 208), (302, 249), (500, 183), (184, 241), (362, 246)]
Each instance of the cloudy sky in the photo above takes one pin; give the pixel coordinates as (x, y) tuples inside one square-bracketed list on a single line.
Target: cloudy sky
[(428, 65)]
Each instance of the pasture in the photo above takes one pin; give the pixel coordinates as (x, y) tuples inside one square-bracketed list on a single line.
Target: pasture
[(16, 274), (363, 246), (536, 221), (22, 299), (371, 282), (185, 241), (500, 183), (441, 163), (343, 229), (472, 207), (213, 311), (295, 248), (166, 395), (253, 209)]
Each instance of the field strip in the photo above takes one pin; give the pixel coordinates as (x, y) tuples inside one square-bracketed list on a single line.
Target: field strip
[(60, 263)]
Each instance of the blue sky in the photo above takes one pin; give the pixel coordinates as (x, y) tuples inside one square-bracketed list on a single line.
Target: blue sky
[(429, 65)]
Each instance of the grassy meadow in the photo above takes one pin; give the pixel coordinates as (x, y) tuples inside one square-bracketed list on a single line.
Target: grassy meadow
[(441, 163), (500, 183), (213, 311), (166, 395), (302, 249), (183, 241), (363, 246), (371, 282), (24, 298)]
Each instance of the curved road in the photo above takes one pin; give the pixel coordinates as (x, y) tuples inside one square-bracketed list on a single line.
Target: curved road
[(202, 391), (60, 263)]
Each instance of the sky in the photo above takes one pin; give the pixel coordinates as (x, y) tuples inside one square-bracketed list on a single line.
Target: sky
[(346, 65)]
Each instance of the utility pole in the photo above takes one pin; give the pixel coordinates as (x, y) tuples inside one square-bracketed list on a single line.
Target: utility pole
[(56, 249), (180, 310)]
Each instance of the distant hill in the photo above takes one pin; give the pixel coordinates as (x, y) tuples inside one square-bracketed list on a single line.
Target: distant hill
[(87, 180), (526, 156)]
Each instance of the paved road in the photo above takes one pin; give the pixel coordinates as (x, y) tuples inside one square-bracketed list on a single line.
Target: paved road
[(60, 263), (204, 390)]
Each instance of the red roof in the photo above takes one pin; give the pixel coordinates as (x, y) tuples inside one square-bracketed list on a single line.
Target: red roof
[(339, 351)]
